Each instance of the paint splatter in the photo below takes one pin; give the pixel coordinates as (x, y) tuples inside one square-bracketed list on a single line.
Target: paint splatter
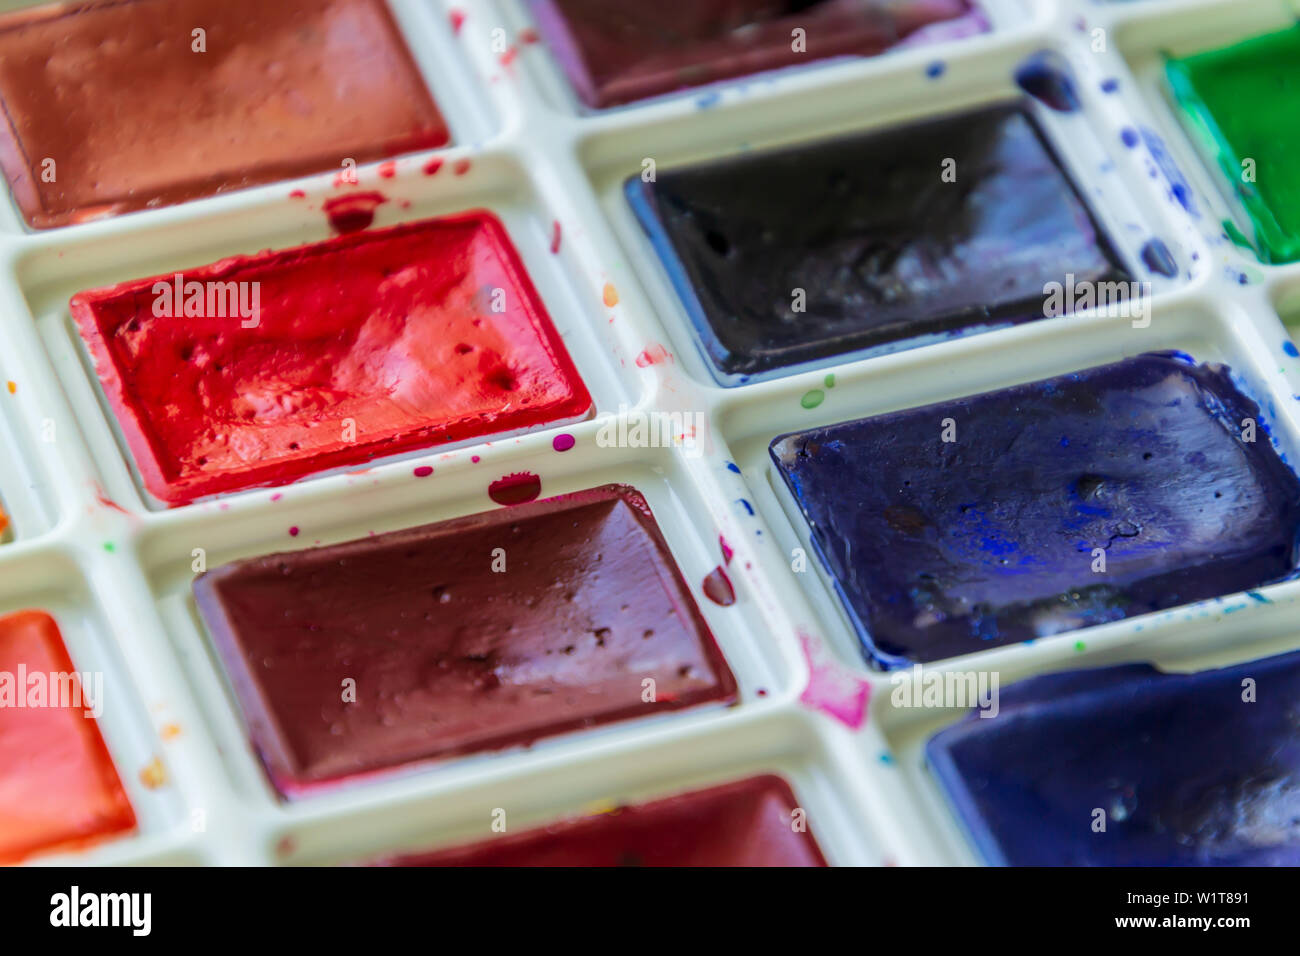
[(432, 166), (718, 588), (388, 169), (110, 547), (1046, 77), (528, 36), (1080, 646), (13, 387), (169, 731), (1290, 349), (353, 213), (654, 355), (422, 471), (460, 167), (153, 775), (563, 442), (935, 69), (1158, 258), (1109, 85), (293, 532), (555, 236), (708, 100), (829, 380), (108, 502), (733, 467), (297, 194), (475, 459), (812, 398), (508, 58), (610, 295), (727, 552), (457, 20), (277, 496), (515, 489), (833, 689), (1129, 136)]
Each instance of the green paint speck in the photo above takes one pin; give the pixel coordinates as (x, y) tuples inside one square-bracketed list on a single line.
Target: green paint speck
[(1080, 646), (812, 398), (109, 547), (830, 380)]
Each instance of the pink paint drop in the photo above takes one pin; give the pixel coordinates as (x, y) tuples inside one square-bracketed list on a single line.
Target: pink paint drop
[(515, 489), (353, 213), (277, 496), (388, 169), (555, 236), (297, 194), (475, 459), (423, 471), (293, 532), (563, 442), (460, 167), (727, 553), (528, 36), (718, 589), (508, 57), (457, 20), (432, 166), (654, 355), (833, 689)]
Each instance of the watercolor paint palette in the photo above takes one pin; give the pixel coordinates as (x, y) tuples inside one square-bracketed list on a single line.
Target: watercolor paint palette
[(500, 528)]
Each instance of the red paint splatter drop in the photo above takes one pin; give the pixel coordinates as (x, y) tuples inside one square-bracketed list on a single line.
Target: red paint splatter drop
[(654, 355), (297, 194), (108, 502), (718, 589), (432, 166), (460, 167), (293, 532), (457, 20), (423, 471), (563, 442), (353, 213), (515, 489), (727, 553), (508, 57), (475, 459), (555, 236), (388, 169), (528, 36)]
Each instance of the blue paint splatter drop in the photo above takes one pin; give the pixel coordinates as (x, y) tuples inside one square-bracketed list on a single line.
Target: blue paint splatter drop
[(733, 467), (1130, 137), (1158, 258), (1109, 85), (1289, 348), (935, 69), (1046, 77)]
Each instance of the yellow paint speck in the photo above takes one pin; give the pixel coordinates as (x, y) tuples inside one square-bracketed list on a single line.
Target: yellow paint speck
[(169, 731), (611, 295), (154, 775), (13, 387)]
